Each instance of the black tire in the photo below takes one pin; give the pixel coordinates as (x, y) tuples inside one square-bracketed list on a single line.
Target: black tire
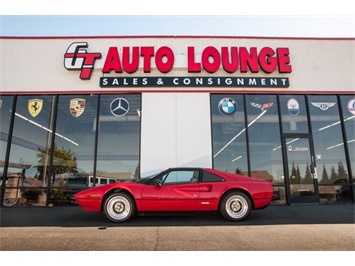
[(119, 207), (235, 206)]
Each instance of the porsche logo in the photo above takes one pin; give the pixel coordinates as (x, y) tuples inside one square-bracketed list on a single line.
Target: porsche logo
[(35, 106), (77, 107)]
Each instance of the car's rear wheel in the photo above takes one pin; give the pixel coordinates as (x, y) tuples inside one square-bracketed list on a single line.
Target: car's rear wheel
[(119, 207), (235, 206)]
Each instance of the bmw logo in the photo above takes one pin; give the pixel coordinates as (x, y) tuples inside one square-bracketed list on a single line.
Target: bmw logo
[(227, 106), (119, 107)]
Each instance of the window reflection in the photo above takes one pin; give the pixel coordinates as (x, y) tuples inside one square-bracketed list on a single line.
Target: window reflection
[(30, 147), (264, 138), (293, 114), (73, 157), (10, 196), (5, 117), (327, 133), (228, 133), (348, 108), (119, 135)]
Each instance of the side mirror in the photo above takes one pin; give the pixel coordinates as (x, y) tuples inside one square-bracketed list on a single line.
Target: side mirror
[(158, 183)]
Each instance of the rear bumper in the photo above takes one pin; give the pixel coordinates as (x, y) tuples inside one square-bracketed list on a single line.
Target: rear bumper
[(261, 203)]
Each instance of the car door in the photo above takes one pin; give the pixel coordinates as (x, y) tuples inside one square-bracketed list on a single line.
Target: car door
[(175, 190)]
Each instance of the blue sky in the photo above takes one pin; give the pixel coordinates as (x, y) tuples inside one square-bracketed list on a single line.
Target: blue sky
[(272, 18), (104, 25)]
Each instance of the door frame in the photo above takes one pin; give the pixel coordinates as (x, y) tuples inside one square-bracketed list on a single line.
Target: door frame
[(313, 166)]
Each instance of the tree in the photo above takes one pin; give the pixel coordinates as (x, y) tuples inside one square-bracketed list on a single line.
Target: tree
[(333, 175), (294, 178), (325, 176), (298, 173), (64, 161), (342, 172), (308, 176)]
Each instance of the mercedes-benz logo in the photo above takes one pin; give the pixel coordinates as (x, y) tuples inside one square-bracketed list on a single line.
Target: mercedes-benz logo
[(119, 107)]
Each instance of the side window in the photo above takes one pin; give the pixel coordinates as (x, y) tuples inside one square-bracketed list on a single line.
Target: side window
[(181, 177), (103, 181), (209, 177)]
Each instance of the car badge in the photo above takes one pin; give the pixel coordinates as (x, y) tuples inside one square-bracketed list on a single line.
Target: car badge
[(227, 106), (323, 106), (293, 107), (262, 107), (119, 107), (77, 106), (35, 106), (351, 106)]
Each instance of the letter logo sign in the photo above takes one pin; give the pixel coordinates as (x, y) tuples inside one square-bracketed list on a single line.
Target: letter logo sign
[(120, 60), (77, 58)]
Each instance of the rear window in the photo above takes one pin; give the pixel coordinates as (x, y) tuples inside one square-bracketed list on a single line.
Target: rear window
[(209, 177)]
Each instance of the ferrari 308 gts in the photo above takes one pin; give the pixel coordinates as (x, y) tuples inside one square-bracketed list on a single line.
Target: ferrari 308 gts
[(179, 190)]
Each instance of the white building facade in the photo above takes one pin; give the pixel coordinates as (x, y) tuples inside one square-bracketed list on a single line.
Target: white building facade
[(281, 109)]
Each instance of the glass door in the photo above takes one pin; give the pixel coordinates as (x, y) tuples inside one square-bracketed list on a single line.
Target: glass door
[(300, 169)]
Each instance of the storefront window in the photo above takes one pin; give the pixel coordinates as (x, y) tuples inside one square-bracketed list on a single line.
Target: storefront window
[(74, 148), (329, 147), (30, 149), (264, 138), (229, 133), (5, 118), (348, 108), (293, 114), (119, 136)]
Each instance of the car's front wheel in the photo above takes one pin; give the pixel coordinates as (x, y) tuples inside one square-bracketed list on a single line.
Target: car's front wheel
[(235, 206), (119, 207)]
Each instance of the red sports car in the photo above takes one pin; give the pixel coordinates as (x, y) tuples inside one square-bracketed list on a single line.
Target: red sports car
[(179, 190)]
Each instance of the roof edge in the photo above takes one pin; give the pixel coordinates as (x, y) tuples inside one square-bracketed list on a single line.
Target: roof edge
[(175, 37)]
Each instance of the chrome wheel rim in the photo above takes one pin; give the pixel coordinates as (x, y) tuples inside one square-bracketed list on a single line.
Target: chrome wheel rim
[(118, 208), (237, 207)]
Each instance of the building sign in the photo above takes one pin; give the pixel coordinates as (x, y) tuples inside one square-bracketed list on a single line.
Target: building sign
[(232, 59), (193, 82)]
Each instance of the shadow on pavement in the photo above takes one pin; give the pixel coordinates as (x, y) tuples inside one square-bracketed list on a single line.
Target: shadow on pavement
[(74, 216)]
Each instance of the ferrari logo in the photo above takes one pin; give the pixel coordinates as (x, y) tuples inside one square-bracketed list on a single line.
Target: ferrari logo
[(35, 106), (77, 106)]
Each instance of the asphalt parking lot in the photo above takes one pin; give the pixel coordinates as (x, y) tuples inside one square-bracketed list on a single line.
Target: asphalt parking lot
[(309, 227)]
